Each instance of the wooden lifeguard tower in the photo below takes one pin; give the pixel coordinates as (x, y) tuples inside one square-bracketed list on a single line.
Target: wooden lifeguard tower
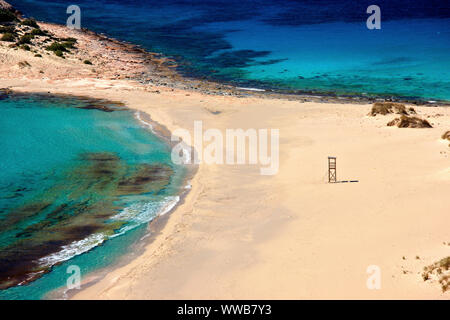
[(332, 170)]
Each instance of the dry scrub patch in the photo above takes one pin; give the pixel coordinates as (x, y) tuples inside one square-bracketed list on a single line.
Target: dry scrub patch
[(438, 271)]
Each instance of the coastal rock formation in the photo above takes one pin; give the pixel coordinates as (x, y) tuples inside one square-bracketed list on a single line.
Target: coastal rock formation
[(409, 122), (56, 52), (385, 108), (6, 6), (97, 107), (446, 136), (4, 93)]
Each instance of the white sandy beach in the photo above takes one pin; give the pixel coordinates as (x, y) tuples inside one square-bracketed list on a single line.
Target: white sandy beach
[(241, 235)]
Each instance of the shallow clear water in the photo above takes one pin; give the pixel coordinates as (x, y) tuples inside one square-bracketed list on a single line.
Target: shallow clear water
[(74, 178), (320, 46)]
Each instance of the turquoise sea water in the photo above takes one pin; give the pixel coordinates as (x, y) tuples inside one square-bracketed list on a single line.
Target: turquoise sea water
[(73, 180), (320, 46), (356, 60)]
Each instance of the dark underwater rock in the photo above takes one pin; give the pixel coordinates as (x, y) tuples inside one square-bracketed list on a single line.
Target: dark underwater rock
[(97, 107)]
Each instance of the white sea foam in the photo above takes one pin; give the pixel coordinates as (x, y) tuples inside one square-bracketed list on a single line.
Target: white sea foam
[(144, 212), (137, 114), (251, 89), (135, 215), (169, 205), (73, 249)]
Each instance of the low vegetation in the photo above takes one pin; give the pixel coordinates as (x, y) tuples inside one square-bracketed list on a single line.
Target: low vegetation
[(409, 122), (22, 32), (69, 43), (59, 53), (7, 16), (29, 22), (38, 32), (8, 29), (25, 39), (62, 46), (58, 48), (87, 62), (9, 37)]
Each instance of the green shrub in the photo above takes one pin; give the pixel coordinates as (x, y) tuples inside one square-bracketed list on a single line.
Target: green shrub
[(87, 62), (8, 37), (68, 45), (38, 32), (38, 55), (73, 40), (59, 53), (7, 16), (56, 46), (30, 22), (25, 47), (8, 29), (26, 38)]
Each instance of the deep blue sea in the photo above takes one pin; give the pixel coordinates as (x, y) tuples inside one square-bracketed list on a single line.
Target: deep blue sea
[(319, 46), (77, 187)]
